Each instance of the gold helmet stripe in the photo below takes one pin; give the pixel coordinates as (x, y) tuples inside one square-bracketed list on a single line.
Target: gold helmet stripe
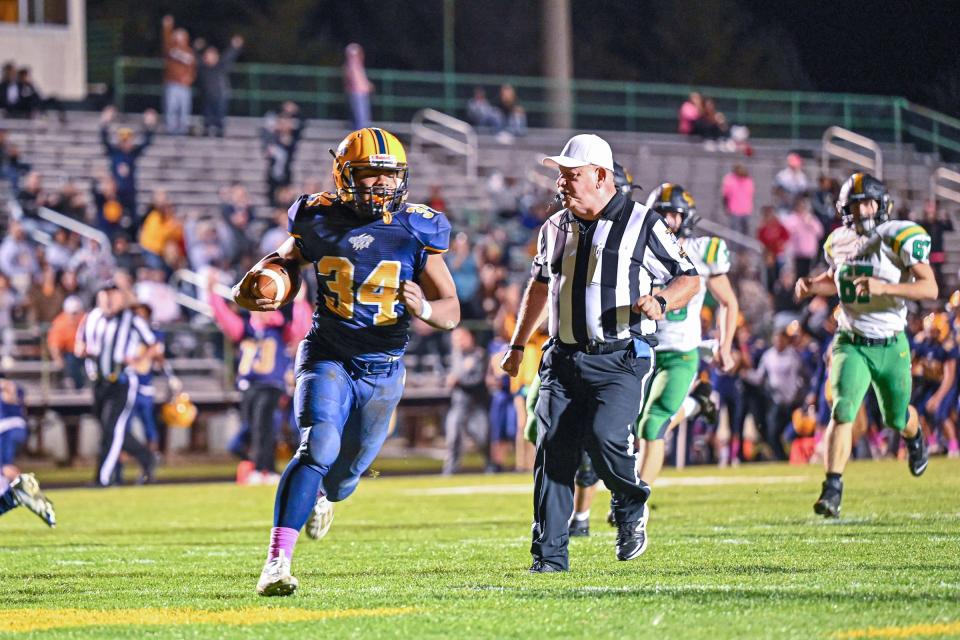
[(666, 192), (858, 183), (380, 140)]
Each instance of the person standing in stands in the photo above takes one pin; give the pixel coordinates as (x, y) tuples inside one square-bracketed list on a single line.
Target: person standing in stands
[(179, 73), (124, 154)]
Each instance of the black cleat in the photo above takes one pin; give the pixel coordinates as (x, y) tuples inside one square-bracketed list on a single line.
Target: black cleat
[(708, 408), (917, 458), (541, 566), (579, 528), (632, 537), (828, 504)]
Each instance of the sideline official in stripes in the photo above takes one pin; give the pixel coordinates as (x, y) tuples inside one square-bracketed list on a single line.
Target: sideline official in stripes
[(592, 275), (109, 338)]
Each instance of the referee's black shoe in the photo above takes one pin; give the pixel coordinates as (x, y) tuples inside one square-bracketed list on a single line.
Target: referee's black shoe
[(828, 504), (540, 566), (917, 457), (579, 528), (632, 537)]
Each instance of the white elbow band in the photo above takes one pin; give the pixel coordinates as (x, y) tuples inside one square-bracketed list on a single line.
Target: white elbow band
[(425, 310)]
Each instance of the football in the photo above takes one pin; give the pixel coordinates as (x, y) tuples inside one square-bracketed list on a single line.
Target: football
[(275, 282)]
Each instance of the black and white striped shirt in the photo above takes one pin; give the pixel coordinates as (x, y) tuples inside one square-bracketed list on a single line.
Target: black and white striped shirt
[(596, 270), (112, 341)]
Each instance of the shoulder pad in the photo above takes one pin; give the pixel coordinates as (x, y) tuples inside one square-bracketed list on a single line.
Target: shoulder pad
[(312, 203), (428, 226)]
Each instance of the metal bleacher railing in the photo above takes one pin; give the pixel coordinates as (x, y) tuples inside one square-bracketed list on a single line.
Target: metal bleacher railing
[(597, 104)]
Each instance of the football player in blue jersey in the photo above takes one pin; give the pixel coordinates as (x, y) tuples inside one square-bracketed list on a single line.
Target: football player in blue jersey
[(17, 489), (377, 262)]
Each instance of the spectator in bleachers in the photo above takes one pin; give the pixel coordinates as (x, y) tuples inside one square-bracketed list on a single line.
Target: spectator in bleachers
[(824, 202), (60, 342), (123, 156), (482, 114), (469, 399), (44, 300), (357, 86), (111, 216), (179, 74), (936, 224), (122, 254), (12, 169), (806, 234), (32, 197), (29, 102), (773, 236), (712, 125), (213, 77), (738, 189), (690, 112), (205, 245), (152, 287), (60, 249), (93, 264), (161, 228), (18, 258), (463, 268), (9, 92), (237, 213), (276, 234), (513, 113), (9, 303), (281, 135), (503, 412), (70, 201), (780, 370), (785, 305), (436, 200), (792, 178)]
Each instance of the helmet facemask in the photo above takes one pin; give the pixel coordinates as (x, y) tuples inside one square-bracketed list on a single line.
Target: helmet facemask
[(377, 201)]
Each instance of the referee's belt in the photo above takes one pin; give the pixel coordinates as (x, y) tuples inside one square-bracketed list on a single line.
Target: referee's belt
[(598, 347), (857, 339)]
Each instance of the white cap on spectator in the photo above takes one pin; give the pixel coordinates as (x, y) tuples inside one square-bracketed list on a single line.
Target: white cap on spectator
[(582, 150), (72, 305)]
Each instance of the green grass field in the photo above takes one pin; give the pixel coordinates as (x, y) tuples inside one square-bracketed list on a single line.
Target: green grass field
[(733, 554)]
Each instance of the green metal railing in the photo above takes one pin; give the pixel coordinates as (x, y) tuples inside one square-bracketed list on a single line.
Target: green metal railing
[(597, 104)]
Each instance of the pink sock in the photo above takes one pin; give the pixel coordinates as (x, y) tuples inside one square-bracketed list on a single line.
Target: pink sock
[(932, 440), (953, 445), (282, 539)]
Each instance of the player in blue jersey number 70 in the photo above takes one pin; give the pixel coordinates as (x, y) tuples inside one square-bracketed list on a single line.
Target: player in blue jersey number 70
[(377, 262)]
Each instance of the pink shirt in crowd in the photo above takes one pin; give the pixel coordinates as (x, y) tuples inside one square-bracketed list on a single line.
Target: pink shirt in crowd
[(738, 194), (805, 233), (689, 113)]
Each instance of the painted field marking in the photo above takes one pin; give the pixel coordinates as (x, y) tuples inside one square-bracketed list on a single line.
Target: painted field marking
[(21, 620), (944, 628), (701, 481)]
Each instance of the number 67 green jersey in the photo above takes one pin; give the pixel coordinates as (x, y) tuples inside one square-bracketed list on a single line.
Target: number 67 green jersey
[(887, 254)]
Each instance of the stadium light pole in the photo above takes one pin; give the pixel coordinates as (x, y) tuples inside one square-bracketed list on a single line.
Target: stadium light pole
[(449, 90), (557, 39)]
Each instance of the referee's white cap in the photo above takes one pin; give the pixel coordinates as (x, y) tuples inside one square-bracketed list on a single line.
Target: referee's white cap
[(582, 150)]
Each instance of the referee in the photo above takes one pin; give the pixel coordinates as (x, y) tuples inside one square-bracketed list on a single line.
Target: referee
[(593, 273), (109, 338)]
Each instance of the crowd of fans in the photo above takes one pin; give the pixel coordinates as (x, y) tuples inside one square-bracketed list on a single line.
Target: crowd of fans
[(48, 275)]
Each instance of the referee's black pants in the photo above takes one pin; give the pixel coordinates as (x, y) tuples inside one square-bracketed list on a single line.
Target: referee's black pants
[(587, 403), (258, 409), (113, 405)]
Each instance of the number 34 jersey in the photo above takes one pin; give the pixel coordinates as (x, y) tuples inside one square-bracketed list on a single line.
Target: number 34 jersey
[(359, 264), (680, 329), (887, 254)]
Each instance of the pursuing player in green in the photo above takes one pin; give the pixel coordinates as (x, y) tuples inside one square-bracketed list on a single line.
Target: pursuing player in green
[(875, 265)]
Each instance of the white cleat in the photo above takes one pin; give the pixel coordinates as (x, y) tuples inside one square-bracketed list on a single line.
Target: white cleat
[(320, 518), (276, 579), (26, 492)]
